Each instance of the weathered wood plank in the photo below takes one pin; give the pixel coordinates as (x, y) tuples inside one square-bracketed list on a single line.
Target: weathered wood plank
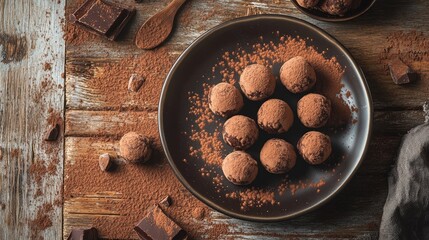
[(198, 17), (31, 98), (114, 123)]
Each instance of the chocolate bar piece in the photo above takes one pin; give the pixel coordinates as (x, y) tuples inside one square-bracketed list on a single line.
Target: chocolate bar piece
[(83, 234), (400, 72), (102, 18), (158, 226)]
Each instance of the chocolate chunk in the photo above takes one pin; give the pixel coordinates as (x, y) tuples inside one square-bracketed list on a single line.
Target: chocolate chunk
[(83, 234), (135, 83), (156, 225), (105, 162), (102, 18), (166, 202), (52, 133), (400, 72)]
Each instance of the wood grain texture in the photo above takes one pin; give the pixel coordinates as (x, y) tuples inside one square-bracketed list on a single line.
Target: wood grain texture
[(31, 97), (354, 214)]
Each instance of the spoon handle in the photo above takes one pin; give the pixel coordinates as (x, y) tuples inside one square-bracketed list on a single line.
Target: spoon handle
[(174, 6)]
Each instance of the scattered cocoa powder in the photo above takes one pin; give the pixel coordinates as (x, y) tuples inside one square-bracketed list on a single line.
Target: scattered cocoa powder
[(42, 221), (412, 47), (47, 66), (110, 83), (253, 197), (286, 185), (14, 153), (138, 186), (230, 66)]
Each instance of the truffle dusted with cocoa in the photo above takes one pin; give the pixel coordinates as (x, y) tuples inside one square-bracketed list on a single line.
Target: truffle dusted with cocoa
[(240, 168), (257, 82), (314, 147), (297, 75), (275, 116), (278, 156), (307, 3), (240, 132), (336, 7), (135, 147), (314, 110), (225, 99)]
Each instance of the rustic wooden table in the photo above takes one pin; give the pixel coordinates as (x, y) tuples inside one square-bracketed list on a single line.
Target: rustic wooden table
[(34, 92)]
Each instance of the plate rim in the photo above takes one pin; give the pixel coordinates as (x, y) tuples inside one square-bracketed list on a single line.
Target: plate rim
[(184, 54)]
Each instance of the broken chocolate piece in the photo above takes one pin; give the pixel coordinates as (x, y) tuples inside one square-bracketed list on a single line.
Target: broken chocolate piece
[(156, 225), (400, 72), (83, 234), (166, 202), (52, 133), (105, 162), (102, 18), (135, 83)]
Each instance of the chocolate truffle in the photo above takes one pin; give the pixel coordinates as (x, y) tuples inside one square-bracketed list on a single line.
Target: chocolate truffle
[(297, 75), (240, 168), (257, 82), (240, 132), (278, 156), (314, 147), (307, 3), (275, 116), (314, 110), (225, 99), (135, 147), (336, 7)]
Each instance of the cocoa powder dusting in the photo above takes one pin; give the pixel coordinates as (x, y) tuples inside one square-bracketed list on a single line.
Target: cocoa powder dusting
[(229, 67), (110, 83), (412, 47), (136, 188), (42, 221)]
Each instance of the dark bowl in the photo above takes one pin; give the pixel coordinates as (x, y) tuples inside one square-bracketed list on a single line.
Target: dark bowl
[(186, 76), (319, 15)]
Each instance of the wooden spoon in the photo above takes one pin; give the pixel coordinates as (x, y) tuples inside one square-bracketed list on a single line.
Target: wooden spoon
[(157, 28)]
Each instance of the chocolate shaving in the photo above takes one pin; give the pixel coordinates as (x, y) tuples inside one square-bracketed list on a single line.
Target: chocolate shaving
[(105, 162), (400, 72), (156, 225), (135, 83), (52, 133)]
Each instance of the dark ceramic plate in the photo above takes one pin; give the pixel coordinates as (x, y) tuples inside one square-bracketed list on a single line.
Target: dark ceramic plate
[(319, 15), (187, 76)]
